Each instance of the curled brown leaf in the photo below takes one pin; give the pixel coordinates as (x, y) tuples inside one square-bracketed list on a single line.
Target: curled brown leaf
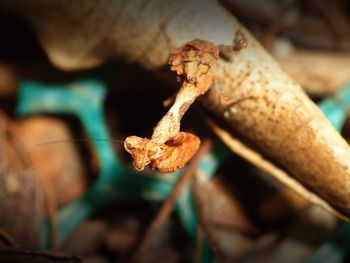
[(169, 149)]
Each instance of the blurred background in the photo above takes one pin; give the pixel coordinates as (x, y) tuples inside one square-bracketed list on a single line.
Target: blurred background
[(67, 195)]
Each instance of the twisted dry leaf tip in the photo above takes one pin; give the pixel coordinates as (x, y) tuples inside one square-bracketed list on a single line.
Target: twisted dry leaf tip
[(169, 149)]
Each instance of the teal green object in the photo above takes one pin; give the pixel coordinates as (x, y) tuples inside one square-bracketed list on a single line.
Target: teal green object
[(335, 112), (335, 107), (84, 99)]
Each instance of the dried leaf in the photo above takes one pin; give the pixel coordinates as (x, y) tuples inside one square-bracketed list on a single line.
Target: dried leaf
[(169, 149), (165, 158)]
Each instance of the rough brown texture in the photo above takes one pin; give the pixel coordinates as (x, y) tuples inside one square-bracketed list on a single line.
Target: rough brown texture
[(271, 111), (169, 149), (164, 157)]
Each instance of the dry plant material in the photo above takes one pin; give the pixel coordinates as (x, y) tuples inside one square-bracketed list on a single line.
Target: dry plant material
[(268, 109), (164, 158), (266, 165), (169, 149)]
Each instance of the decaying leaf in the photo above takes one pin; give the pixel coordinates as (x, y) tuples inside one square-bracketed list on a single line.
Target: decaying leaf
[(165, 158), (169, 149), (268, 109)]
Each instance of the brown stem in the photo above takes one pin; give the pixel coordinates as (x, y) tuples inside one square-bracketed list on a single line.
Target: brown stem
[(169, 125), (193, 64)]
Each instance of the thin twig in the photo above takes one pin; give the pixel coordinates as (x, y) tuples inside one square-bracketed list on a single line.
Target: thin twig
[(255, 158), (168, 205), (203, 220), (78, 141), (7, 238)]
